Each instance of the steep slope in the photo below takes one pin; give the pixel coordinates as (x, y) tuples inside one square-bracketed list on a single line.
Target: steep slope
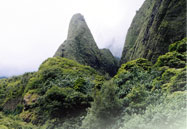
[(156, 25), (109, 62), (149, 96), (60, 89), (81, 47)]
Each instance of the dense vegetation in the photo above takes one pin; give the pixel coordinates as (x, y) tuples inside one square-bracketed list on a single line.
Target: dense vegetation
[(67, 95), (156, 25), (61, 88)]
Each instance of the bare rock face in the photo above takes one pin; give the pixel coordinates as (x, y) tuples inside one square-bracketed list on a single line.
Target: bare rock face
[(81, 47), (155, 26)]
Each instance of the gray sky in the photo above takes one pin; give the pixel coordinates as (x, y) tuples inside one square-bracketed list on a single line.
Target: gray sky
[(32, 30)]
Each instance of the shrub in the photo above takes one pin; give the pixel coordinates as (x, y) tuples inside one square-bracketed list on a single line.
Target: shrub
[(179, 46), (50, 73), (135, 100), (172, 60), (178, 82), (168, 113), (105, 108), (140, 63), (59, 102), (80, 85), (168, 74), (13, 122), (18, 109)]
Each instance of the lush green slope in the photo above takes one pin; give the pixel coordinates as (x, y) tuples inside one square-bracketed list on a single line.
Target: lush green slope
[(143, 95), (156, 25), (65, 94), (60, 90)]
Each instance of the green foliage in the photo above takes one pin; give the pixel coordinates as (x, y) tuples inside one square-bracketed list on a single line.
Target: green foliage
[(61, 72), (136, 89), (79, 85), (63, 88), (168, 113), (60, 94), (179, 46), (171, 80), (60, 102), (18, 109), (99, 80), (137, 99), (178, 82), (172, 60), (129, 71), (14, 122), (154, 28), (168, 74), (137, 77), (139, 63), (60, 89), (105, 108), (11, 91), (50, 73), (13, 87)]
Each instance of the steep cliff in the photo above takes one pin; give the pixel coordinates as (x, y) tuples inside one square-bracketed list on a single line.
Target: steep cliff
[(81, 47), (156, 25)]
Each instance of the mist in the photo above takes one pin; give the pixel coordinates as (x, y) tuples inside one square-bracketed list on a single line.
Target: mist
[(32, 30)]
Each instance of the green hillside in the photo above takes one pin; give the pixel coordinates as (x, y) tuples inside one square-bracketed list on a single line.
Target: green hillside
[(83, 87), (64, 94)]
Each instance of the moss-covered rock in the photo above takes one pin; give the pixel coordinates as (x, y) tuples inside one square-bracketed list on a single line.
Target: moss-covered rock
[(81, 47), (156, 25)]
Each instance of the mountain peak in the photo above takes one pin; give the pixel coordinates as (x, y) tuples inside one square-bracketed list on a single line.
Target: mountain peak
[(78, 16), (81, 47), (77, 26)]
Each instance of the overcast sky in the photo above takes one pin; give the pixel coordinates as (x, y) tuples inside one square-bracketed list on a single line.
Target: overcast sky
[(32, 30)]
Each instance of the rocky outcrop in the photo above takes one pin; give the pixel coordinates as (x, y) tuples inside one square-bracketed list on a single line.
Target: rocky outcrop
[(81, 47), (156, 25)]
